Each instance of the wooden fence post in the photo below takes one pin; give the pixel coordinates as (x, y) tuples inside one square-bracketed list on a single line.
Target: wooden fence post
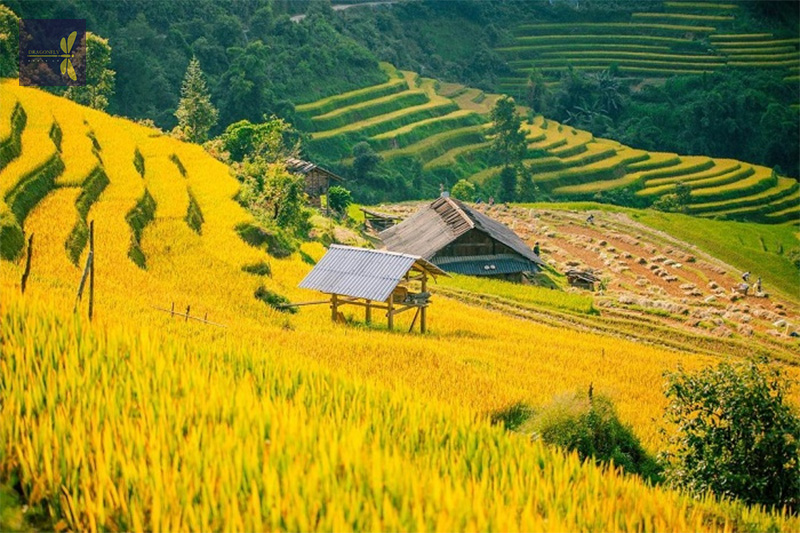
[(27, 272), (91, 272), (187, 314), (424, 310)]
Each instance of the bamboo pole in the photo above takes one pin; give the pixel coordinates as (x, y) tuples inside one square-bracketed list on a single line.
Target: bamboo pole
[(91, 272), (334, 308), (369, 311)]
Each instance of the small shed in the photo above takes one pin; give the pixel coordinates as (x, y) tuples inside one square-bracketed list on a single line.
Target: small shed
[(317, 179), (373, 279), (462, 240), (376, 221)]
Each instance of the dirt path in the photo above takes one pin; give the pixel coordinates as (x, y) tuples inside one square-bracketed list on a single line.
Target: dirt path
[(342, 7)]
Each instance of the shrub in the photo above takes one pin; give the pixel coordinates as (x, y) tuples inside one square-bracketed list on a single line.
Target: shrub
[(590, 426), (261, 268), (463, 190), (734, 435), (138, 162), (273, 300), (339, 198)]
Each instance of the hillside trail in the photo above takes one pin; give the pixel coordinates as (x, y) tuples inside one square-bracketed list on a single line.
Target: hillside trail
[(655, 288)]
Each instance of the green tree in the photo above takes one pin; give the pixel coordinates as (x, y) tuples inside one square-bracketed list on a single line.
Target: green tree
[(274, 140), (100, 79), (527, 188), (537, 94), (339, 199), (463, 190), (365, 161), (734, 435), (9, 43), (508, 145), (508, 139), (508, 184), (196, 114)]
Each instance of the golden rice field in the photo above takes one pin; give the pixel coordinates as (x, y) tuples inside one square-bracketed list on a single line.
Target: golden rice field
[(143, 421)]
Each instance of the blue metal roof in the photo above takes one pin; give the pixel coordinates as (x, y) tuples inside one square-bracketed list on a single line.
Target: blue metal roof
[(363, 273), (486, 265)]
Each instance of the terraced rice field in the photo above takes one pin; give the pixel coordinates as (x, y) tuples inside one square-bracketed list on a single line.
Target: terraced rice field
[(139, 420), (444, 128), (684, 38)]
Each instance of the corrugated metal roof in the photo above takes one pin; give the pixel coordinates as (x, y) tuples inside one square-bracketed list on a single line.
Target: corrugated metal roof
[(487, 265), (363, 273), (435, 226), (299, 166)]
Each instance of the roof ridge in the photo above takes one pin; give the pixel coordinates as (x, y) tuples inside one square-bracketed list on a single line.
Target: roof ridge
[(459, 207)]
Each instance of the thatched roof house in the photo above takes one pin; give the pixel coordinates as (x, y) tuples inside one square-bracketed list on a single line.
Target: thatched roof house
[(462, 240)]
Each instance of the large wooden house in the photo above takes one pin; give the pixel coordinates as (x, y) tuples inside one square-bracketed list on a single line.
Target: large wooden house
[(462, 240), (317, 179)]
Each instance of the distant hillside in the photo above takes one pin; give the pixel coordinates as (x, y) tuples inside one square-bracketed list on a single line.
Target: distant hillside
[(439, 132)]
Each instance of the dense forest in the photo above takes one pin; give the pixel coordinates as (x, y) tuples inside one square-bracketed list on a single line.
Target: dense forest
[(260, 62)]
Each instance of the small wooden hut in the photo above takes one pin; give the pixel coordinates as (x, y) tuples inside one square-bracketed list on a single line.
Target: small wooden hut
[(373, 279), (375, 221), (317, 179), (462, 240)]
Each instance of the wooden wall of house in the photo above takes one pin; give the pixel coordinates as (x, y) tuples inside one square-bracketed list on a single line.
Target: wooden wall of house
[(474, 242), (316, 184)]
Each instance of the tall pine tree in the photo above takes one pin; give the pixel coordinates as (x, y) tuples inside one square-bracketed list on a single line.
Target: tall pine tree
[(196, 114), (508, 145)]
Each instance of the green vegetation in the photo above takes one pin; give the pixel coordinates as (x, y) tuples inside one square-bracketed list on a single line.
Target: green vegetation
[(138, 218), (196, 114), (734, 434), (91, 189), (590, 426), (194, 216), (274, 300), (528, 294)]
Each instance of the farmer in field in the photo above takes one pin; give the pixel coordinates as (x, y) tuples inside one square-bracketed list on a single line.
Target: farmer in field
[(590, 219), (758, 285), (746, 277), (536, 248)]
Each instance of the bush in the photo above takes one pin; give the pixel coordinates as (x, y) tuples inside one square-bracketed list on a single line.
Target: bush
[(734, 435), (260, 268), (589, 425), (463, 190), (274, 300), (339, 199)]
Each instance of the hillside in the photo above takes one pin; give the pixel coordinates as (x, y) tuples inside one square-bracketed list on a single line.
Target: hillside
[(439, 132), (673, 38), (142, 420)]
